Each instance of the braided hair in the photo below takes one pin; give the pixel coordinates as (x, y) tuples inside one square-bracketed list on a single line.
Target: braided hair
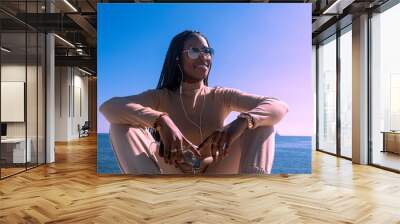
[(171, 77)]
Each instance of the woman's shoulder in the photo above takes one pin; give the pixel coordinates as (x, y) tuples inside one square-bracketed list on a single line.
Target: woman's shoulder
[(149, 94), (223, 90), (162, 91)]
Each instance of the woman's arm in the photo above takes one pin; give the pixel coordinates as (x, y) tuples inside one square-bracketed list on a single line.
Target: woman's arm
[(136, 110), (265, 111)]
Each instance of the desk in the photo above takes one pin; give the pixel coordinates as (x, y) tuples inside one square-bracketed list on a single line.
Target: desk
[(15, 148), (391, 141)]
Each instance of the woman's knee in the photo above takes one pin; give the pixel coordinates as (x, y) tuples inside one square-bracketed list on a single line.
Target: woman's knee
[(258, 149), (263, 132), (126, 137), (132, 149), (122, 130)]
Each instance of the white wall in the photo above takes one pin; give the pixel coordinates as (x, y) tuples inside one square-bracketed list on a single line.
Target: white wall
[(33, 126), (71, 93), (81, 89), (14, 73), (17, 73), (12, 101), (62, 81)]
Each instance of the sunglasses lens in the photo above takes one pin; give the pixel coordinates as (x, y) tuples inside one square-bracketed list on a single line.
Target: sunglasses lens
[(209, 51), (194, 53)]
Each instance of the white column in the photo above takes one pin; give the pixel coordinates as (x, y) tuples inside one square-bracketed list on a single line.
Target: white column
[(360, 90), (50, 92), (50, 100)]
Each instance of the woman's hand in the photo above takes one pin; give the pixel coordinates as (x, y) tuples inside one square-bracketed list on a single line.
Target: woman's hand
[(217, 144), (173, 140)]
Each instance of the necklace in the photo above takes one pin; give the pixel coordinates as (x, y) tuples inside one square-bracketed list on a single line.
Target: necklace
[(201, 112)]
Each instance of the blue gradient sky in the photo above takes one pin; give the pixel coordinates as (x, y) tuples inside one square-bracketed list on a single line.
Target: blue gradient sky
[(260, 48)]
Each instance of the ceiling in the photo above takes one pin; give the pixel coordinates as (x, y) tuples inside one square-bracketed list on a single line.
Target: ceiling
[(73, 20), (76, 22)]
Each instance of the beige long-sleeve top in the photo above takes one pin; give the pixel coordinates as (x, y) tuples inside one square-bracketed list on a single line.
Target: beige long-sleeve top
[(143, 109)]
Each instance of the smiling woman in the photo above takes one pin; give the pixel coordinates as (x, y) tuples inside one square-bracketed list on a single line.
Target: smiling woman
[(179, 127)]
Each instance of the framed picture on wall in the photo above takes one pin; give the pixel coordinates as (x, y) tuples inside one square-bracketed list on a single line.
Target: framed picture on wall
[(204, 89)]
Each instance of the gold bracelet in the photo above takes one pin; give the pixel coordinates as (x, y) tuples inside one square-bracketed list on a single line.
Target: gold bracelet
[(249, 118)]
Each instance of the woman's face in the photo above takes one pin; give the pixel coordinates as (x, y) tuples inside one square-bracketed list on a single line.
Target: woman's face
[(195, 69)]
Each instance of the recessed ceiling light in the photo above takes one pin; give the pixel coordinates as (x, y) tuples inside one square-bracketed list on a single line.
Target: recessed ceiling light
[(5, 50), (64, 40), (338, 6), (70, 5), (84, 71)]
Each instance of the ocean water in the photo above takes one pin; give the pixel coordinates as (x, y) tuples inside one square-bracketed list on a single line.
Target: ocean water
[(292, 155)]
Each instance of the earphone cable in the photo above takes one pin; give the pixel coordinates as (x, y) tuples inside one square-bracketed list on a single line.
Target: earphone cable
[(184, 110)]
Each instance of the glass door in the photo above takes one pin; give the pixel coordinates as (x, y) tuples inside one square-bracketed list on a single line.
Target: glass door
[(22, 77), (14, 154)]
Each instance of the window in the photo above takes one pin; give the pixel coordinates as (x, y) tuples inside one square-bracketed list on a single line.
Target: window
[(327, 95), (385, 88), (346, 92)]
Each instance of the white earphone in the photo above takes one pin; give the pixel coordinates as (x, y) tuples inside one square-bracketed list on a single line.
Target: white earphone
[(183, 107)]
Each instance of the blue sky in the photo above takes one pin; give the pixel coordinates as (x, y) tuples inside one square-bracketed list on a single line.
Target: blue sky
[(259, 48)]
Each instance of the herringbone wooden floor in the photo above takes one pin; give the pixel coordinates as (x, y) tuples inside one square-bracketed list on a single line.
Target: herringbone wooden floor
[(70, 191)]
